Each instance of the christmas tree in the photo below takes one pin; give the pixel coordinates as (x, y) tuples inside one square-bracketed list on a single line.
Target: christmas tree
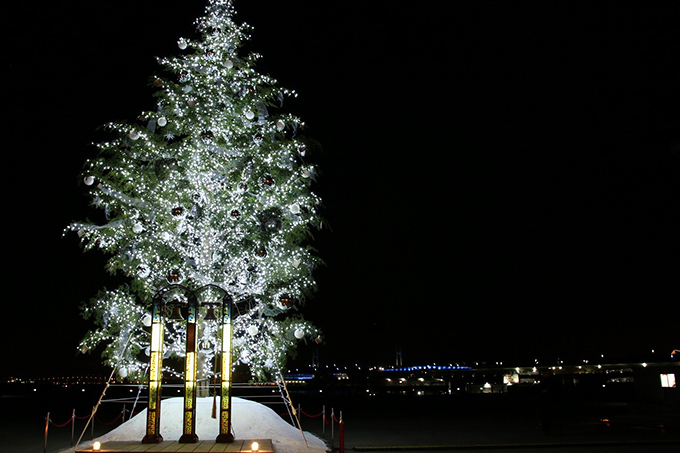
[(211, 188)]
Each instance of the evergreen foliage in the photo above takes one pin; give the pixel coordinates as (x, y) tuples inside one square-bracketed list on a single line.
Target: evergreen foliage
[(213, 187)]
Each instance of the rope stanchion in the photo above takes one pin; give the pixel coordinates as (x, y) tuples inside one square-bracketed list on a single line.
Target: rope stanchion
[(341, 434), (332, 429), (72, 421), (73, 425), (49, 421), (328, 419), (75, 417), (47, 424), (331, 420)]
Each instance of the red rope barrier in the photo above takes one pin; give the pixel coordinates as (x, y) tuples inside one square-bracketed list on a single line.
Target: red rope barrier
[(327, 420), (62, 425), (56, 425), (111, 423), (283, 414)]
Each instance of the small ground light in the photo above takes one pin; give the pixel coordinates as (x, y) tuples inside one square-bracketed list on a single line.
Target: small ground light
[(96, 446), (254, 446)]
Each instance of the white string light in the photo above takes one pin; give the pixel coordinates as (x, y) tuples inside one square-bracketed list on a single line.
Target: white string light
[(211, 188)]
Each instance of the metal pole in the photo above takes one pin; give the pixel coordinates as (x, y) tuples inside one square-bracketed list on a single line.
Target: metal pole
[(332, 429), (214, 383), (47, 424), (73, 426), (341, 432), (214, 406), (323, 419)]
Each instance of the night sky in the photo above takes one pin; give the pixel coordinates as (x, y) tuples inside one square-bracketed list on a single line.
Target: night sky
[(500, 179)]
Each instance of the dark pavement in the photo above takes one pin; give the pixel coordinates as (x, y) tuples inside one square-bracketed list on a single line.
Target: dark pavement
[(497, 423)]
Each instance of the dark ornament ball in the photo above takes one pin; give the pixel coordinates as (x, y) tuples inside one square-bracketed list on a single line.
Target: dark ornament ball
[(173, 276), (286, 301)]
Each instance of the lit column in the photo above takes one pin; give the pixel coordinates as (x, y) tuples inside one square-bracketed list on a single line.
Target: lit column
[(153, 414), (189, 433), (225, 435)]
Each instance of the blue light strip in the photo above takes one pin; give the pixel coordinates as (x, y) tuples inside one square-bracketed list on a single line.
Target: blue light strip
[(428, 367), (299, 377)]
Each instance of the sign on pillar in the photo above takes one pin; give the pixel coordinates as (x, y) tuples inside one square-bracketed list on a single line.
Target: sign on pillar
[(153, 424), (153, 415), (189, 429), (225, 435)]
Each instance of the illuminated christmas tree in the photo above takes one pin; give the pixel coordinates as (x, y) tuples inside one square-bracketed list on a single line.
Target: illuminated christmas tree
[(212, 188)]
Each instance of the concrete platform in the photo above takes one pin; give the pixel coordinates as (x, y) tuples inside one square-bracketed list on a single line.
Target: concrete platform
[(202, 446)]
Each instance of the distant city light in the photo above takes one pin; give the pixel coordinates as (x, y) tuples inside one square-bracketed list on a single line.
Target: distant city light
[(427, 367)]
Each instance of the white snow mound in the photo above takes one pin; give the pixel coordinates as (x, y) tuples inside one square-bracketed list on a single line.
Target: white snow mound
[(250, 420)]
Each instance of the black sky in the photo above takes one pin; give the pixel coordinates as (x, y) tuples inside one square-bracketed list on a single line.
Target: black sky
[(500, 178)]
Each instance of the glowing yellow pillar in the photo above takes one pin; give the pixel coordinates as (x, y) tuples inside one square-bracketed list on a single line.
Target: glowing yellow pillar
[(189, 430), (153, 415), (225, 435)]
